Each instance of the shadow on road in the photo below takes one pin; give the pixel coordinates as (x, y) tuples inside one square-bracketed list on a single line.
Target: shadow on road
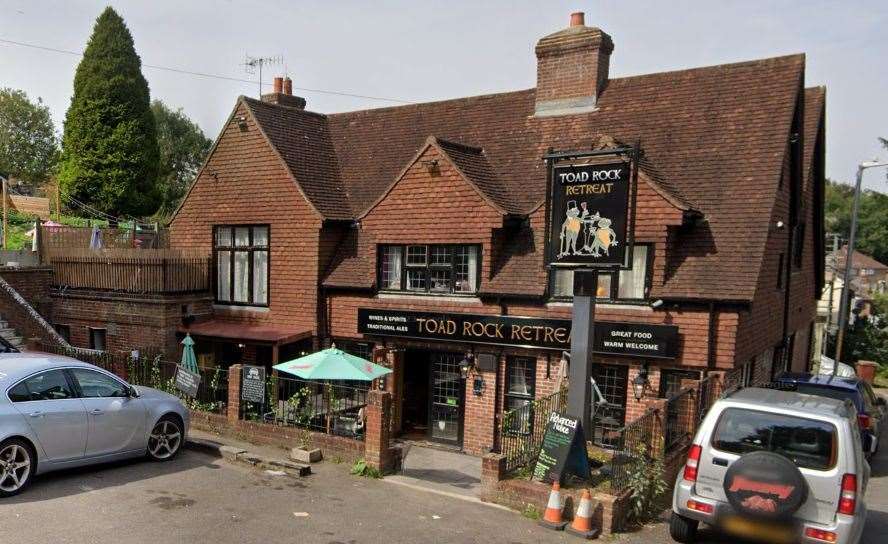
[(85, 479)]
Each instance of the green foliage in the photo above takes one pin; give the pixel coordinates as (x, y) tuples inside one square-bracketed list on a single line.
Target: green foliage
[(645, 483), (183, 148), (28, 144), (531, 512), (110, 155), (866, 341), (872, 225), (361, 468)]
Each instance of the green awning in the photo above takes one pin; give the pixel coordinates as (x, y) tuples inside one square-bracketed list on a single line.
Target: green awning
[(333, 364)]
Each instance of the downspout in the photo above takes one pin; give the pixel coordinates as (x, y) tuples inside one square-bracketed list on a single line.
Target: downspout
[(710, 343)]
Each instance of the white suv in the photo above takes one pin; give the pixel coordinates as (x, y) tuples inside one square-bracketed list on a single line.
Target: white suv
[(776, 466)]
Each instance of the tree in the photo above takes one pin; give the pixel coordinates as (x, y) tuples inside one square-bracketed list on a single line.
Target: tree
[(109, 149), (28, 143), (872, 220), (183, 147)]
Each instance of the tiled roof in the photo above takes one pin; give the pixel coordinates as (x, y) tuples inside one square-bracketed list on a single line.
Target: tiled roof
[(350, 267), (859, 260), (713, 139)]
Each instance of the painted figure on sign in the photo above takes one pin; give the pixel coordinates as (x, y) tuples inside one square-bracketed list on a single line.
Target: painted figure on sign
[(605, 238), (570, 230)]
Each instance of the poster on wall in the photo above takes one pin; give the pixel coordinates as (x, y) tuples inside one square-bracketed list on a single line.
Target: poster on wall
[(589, 214)]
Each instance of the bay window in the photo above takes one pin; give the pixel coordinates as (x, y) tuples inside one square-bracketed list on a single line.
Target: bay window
[(624, 285), (435, 269), (240, 253)]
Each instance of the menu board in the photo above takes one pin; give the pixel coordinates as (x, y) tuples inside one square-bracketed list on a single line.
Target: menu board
[(253, 384), (563, 450), (187, 382)]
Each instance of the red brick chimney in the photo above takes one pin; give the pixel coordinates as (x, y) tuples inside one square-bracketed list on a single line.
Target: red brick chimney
[(572, 68), (282, 94)]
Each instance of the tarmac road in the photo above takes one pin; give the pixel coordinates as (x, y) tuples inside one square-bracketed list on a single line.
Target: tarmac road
[(197, 498)]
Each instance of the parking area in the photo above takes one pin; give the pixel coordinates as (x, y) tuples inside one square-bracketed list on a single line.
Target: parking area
[(198, 498)]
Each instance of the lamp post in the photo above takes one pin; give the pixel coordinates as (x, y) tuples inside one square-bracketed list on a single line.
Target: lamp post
[(846, 277)]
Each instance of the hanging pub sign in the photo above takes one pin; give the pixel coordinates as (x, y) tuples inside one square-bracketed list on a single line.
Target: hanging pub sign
[(589, 214), (637, 339)]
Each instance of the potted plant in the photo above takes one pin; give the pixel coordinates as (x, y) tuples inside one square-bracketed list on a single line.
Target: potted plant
[(304, 452)]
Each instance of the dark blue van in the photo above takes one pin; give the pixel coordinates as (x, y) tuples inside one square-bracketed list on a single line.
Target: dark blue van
[(871, 409)]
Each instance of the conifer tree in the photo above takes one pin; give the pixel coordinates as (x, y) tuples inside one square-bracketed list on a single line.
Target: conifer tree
[(110, 154)]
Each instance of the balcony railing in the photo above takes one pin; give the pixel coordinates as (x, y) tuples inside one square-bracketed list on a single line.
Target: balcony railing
[(140, 271)]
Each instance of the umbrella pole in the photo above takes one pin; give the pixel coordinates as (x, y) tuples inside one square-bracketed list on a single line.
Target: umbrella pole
[(327, 404)]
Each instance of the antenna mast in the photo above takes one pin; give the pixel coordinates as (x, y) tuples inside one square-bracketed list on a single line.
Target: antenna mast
[(251, 63)]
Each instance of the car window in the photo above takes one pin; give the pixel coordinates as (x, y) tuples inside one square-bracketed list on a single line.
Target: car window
[(49, 385), (829, 392), (95, 384), (805, 442), (19, 393)]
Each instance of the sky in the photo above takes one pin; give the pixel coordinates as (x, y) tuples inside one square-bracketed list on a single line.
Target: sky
[(414, 50)]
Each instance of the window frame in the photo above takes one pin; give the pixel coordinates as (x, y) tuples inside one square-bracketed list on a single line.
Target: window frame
[(507, 394), (250, 248), (105, 337), (661, 393), (427, 269), (614, 275), (59, 327)]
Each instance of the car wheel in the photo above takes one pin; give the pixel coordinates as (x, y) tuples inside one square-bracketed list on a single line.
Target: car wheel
[(165, 439), (17, 464), (682, 529)]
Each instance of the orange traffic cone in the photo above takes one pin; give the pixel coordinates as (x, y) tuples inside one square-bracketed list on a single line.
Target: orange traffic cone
[(582, 522), (552, 517)]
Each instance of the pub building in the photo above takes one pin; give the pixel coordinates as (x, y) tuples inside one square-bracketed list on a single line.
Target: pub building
[(417, 234)]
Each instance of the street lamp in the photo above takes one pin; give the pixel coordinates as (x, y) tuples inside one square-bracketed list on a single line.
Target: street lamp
[(846, 277)]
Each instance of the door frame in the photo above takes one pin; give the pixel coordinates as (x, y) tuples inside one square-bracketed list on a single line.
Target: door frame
[(462, 402)]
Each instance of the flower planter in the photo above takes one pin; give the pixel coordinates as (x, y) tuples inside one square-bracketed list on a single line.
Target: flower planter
[(303, 455)]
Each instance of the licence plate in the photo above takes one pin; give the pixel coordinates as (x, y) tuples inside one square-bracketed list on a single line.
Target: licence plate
[(769, 532)]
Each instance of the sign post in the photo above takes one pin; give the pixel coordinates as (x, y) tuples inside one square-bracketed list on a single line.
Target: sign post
[(588, 230)]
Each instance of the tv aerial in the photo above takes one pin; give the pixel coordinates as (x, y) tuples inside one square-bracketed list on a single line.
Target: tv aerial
[(251, 63)]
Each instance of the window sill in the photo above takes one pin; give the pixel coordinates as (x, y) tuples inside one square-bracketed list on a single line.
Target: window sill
[(246, 308), (614, 304), (407, 295)]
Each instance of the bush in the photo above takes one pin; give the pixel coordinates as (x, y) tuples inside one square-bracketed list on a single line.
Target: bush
[(646, 484), (361, 468)]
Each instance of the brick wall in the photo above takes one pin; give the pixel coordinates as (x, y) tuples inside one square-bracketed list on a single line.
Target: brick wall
[(33, 284), (245, 182), (131, 322)]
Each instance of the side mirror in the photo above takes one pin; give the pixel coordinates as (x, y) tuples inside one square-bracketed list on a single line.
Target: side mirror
[(131, 392), (873, 445)]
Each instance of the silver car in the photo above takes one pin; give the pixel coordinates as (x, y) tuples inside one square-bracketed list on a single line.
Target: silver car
[(57, 412), (777, 466)]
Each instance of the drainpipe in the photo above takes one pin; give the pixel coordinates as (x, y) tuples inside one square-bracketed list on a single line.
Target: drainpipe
[(710, 343)]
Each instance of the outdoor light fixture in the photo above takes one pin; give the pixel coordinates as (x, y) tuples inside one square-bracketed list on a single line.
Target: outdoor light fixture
[(657, 303), (640, 383), (242, 123), (466, 365)]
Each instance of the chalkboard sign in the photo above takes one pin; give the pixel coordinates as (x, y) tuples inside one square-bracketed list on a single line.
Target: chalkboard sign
[(253, 384), (187, 381), (563, 450)]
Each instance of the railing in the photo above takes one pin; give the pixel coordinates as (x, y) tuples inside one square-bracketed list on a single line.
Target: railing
[(132, 271), (681, 420), (63, 238), (522, 429), (147, 371), (328, 407), (640, 441)]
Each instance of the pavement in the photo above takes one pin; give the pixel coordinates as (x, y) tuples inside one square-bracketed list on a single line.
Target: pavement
[(200, 498), (448, 472)]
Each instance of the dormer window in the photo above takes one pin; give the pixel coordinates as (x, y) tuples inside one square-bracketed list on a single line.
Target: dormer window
[(429, 269)]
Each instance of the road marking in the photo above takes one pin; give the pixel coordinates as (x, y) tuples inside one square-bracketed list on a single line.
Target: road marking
[(466, 498)]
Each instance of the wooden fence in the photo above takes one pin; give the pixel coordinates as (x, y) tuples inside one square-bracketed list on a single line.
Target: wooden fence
[(132, 270), (61, 239)]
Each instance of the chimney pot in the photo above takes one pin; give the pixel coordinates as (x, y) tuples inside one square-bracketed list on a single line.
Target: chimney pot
[(288, 86), (577, 18), (278, 84)]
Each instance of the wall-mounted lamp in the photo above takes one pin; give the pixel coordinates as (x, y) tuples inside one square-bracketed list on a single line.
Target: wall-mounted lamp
[(779, 224), (466, 365), (640, 383), (242, 123), (431, 166), (657, 303)]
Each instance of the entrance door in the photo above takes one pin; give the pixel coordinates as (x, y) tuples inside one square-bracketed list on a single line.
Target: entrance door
[(447, 388), (612, 381)]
